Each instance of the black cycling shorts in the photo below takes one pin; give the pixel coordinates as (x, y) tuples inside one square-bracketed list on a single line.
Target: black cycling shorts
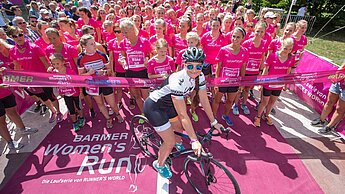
[(72, 102), (158, 114), (267, 92), (230, 89)]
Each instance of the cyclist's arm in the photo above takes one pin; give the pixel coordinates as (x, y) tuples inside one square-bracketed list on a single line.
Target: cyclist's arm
[(205, 103), (181, 109)]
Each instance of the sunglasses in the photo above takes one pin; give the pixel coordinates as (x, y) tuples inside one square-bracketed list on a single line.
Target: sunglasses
[(34, 21), (20, 23), (250, 26), (19, 35), (191, 67), (117, 31)]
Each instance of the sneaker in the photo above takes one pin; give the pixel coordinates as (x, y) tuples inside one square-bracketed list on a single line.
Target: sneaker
[(227, 119), (235, 109), (110, 112), (194, 115), (273, 111), (38, 107), (164, 171), (76, 127), (257, 121), (251, 95), (318, 123), (92, 113), (268, 120), (326, 130), (132, 103), (59, 117), (81, 122), (13, 145), (52, 118), (179, 147), (43, 109), (27, 130), (245, 109)]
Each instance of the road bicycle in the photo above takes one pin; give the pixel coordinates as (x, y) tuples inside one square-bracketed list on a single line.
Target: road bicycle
[(204, 173)]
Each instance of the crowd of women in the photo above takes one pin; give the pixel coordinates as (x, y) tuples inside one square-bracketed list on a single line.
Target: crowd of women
[(145, 39)]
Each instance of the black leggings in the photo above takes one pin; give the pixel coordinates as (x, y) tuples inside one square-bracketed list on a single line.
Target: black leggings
[(72, 102)]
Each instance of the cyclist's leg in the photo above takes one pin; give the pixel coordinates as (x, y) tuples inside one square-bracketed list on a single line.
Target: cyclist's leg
[(168, 137), (175, 123)]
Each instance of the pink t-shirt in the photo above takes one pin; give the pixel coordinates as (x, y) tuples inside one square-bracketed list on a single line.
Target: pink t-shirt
[(299, 45), (212, 47), (266, 37), (70, 40), (68, 52), (254, 56), (6, 61), (80, 23), (231, 64), (69, 91), (178, 44), (112, 46), (30, 59), (41, 43), (135, 55), (106, 36), (204, 30), (179, 58), (270, 28), (143, 34), (167, 66), (154, 39), (276, 67)]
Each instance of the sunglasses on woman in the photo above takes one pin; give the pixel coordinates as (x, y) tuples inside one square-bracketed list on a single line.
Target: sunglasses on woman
[(191, 67), (117, 31), (19, 35)]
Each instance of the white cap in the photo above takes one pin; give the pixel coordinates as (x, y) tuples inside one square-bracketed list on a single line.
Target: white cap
[(44, 11), (269, 15)]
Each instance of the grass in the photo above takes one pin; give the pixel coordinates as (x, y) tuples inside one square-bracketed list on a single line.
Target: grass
[(331, 46)]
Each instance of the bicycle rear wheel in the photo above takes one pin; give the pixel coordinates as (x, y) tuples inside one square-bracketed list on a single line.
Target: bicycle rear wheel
[(207, 175), (145, 136)]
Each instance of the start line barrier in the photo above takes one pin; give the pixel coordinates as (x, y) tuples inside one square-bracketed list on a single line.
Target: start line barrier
[(34, 79)]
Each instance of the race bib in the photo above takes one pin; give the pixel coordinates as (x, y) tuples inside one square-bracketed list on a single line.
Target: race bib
[(70, 91), (253, 65), (135, 60), (93, 91), (230, 72), (162, 69)]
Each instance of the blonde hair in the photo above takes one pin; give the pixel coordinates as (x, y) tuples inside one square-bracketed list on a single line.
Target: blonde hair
[(53, 31), (162, 23), (85, 38), (107, 23), (5, 44), (261, 24), (127, 23), (287, 42), (161, 43), (301, 22)]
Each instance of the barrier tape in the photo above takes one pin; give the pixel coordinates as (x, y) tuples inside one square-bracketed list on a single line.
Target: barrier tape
[(34, 79)]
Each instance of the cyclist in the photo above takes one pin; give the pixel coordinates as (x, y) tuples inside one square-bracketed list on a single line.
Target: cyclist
[(166, 110)]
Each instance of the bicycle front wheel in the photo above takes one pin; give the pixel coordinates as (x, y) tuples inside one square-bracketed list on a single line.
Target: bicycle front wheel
[(207, 175), (145, 136)]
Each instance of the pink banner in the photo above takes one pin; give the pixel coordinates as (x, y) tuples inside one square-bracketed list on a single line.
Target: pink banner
[(315, 94), (33, 79), (23, 100)]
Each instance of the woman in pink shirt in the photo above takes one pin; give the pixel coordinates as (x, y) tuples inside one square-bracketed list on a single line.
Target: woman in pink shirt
[(86, 19), (29, 57), (138, 24), (43, 41), (276, 44), (277, 63), (211, 43), (232, 60), (257, 49), (160, 27), (228, 25), (200, 28), (300, 40), (114, 52), (179, 41), (108, 32), (135, 51), (70, 32), (160, 65)]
